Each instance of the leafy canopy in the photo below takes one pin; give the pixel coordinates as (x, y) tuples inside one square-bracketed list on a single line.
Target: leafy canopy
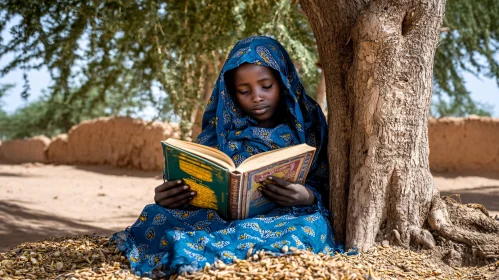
[(50, 116), (135, 47), (116, 57), (469, 43)]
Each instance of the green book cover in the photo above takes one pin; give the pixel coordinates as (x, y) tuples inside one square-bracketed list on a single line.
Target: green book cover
[(232, 192), (209, 180)]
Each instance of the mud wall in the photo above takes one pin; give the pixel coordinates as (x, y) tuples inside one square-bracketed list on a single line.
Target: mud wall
[(456, 144), (58, 151), (464, 144), (120, 141), (25, 150)]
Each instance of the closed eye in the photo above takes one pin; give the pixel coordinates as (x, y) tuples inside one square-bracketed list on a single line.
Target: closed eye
[(267, 87), (243, 92)]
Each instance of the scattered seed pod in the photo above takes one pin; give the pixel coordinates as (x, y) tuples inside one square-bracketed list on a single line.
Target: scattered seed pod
[(87, 257), (250, 251), (285, 249)]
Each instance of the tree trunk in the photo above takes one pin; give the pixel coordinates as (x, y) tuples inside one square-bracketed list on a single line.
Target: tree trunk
[(391, 187), (331, 22), (320, 95), (198, 111), (384, 89), (210, 71), (377, 58)]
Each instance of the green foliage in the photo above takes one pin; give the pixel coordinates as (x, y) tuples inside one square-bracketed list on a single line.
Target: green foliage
[(458, 106), (469, 42), (26, 122), (50, 115), (134, 46), (3, 115), (111, 56)]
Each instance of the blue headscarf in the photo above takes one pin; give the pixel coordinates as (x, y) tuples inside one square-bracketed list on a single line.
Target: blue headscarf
[(228, 129)]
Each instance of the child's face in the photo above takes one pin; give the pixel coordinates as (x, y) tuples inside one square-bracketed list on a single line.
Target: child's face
[(258, 93)]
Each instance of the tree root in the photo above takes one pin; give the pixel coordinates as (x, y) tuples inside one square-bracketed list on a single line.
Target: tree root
[(416, 237), (466, 225)]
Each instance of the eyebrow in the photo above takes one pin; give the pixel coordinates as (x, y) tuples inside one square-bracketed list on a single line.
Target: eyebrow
[(259, 81)]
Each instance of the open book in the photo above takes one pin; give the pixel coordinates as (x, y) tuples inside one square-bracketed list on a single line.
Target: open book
[(233, 192)]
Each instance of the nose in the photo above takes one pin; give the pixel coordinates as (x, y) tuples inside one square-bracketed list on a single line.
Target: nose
[(257, 96)]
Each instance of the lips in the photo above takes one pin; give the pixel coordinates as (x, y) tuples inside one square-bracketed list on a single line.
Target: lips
[(259, 110)]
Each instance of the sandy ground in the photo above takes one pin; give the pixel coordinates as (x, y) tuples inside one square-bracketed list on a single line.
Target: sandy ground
[(39, 201)]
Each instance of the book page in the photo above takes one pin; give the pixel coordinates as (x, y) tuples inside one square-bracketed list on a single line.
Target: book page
[(204, 151), (294, 169), (273, 156)]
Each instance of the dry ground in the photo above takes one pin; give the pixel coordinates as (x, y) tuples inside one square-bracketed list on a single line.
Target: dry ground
[(39, 201)]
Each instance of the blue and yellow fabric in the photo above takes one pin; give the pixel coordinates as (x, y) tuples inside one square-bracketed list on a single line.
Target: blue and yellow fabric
[(168, 241)]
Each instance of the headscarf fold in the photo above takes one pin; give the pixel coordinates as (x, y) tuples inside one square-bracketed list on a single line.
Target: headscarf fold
[(228, 129)]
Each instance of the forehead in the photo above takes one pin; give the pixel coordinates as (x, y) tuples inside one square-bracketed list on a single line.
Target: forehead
[(247, 71)]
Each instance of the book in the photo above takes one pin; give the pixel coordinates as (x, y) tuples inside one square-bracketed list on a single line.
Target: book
[(233, 191)]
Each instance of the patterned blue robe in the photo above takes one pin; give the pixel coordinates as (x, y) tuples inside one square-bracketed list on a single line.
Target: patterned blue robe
[(163, 241)]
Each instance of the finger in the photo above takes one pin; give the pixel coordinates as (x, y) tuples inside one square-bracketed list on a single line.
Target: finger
[(167, 185), (176, 201), (172, 193), (277, 201), (181, 201), (277, 198), (281, 182), (278, 190)]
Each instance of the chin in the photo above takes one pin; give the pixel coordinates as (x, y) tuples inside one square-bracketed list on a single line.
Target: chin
[(261, 118)]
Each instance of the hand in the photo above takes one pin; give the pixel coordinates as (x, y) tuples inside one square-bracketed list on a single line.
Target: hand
[(286, 193), (173, 194)]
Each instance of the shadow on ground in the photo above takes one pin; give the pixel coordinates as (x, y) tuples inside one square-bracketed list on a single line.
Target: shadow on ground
[(100, 169), (20, 224), (110, 170), (484, 174), (488, 196), (11, 174)]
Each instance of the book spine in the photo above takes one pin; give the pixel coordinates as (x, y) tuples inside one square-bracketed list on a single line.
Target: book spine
[(308, 164), (166, 174), (244, 197), (235, 196)]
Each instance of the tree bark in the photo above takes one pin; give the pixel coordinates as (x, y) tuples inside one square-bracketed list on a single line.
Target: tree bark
[(332, 22), (377, 58), (320, 95), (210, 71), (198, 111), (391, 187), (466, 224)]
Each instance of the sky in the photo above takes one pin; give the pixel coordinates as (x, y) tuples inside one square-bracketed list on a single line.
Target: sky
[(482, 89), (39, 80)]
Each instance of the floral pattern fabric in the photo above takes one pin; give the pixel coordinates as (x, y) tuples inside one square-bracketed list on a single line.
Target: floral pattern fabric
[(164, 242)]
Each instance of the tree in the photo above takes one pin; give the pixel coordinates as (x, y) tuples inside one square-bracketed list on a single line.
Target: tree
[(51, 116), (469, 43), (135, 47), (377, 58)]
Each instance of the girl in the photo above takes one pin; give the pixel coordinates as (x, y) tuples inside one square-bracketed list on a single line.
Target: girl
[(258, 104)]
